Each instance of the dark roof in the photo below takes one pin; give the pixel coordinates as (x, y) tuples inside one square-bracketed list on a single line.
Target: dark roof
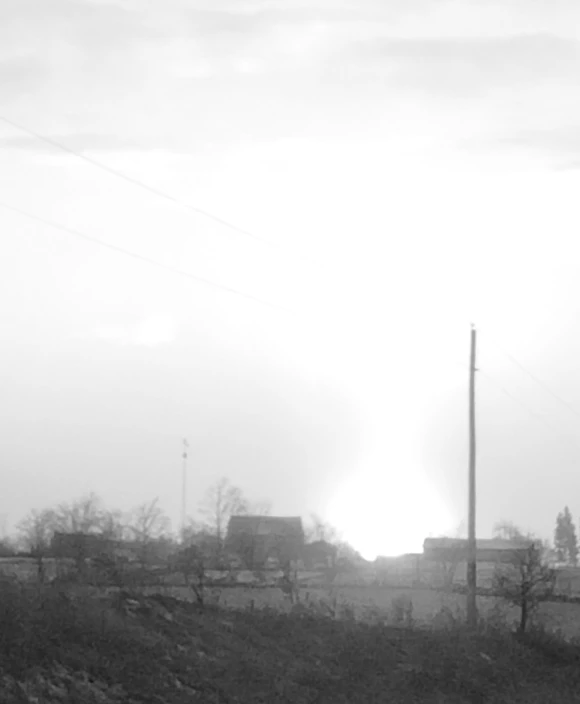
[(256, 538), (266, 525), (321, 547), (482, 544), (487, 550)]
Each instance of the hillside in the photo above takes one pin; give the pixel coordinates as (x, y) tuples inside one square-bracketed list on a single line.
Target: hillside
[(65, 647)]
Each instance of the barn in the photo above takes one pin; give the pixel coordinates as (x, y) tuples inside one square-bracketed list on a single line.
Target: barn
[(265, 540), (492, 550)]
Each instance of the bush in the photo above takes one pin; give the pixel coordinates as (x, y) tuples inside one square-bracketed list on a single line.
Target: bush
[(495, 619), (6, 550), (526, 584), (551, 644), (402, 611)]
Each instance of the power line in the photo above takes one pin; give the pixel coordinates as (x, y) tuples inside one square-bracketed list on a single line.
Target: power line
[(532, 413), (535, 379), (161, 194), (143, 258)]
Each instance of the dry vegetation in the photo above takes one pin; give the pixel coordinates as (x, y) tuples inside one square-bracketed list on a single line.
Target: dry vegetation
[(77, 640), (60, 645), (428, 604)]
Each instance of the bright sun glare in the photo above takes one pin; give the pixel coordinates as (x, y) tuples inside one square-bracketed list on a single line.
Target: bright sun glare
[(388, 513)]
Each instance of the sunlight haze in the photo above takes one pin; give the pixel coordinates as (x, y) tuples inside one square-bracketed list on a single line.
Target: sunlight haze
[(404, 169)]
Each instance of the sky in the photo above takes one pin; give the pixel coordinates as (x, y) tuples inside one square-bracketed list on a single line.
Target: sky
[(403, 168)]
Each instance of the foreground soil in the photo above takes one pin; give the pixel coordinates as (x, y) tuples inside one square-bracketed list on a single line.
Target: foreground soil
[(56, 647)]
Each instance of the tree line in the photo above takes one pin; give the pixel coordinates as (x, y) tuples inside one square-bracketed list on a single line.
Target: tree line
[(564, 550), (146, 526)]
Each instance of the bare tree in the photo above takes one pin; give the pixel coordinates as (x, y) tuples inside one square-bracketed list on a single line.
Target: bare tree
[(192, 531), (191, 562), (113, 525), (527, 582), (506, 530), (288, 584), (84, 515), (148, 523), (460, 531), (35, 532), (259, 508), (319, 529), (222, 501)]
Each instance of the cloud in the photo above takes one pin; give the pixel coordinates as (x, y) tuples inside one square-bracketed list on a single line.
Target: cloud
[(153, 331), (143, 75), (563, 141), (83, 142), (80, 22), (559, 147), (467, 66), (21, 75)]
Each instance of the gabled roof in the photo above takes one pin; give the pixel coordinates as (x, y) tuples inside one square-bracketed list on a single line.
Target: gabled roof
[(266, 525)]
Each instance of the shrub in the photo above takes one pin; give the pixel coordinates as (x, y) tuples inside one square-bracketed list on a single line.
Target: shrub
[(402, 611), (495, 619), (526, 584)]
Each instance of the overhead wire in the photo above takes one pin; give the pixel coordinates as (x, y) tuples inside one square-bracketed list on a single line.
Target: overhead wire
[(523, 405), (231, 290), (143, 258), (566, 438), (490, 379), (526, 371), (156, 191), (540, 383), (59, 145)]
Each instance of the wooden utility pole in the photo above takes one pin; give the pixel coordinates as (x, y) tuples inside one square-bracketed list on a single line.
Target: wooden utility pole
[(184, 488), (471, 543)]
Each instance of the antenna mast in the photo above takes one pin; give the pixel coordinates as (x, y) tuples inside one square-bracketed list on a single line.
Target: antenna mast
[(184, 487), (471, 541)]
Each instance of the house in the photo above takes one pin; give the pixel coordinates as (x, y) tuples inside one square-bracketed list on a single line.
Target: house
[(258, 540), (487, 550), (88, 546)]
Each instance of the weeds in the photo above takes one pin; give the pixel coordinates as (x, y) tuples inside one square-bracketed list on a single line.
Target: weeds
[(130, 648), (402, 611)]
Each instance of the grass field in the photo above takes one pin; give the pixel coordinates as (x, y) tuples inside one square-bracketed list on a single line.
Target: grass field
[(68, 648), (428, 605)]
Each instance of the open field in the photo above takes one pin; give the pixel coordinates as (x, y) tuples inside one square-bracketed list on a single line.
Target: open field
[(364, 598), (69, 648), (428, 604)]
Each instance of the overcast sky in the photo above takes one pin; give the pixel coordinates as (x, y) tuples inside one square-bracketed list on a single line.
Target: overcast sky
[(408, 167)]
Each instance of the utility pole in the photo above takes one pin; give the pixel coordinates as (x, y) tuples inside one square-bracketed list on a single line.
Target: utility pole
[(471, 543), (184, 488)]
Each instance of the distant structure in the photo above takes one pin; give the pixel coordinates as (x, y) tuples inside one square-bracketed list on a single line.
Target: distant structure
[(319, 555), (81, 545), (89, 546), (487, 550), (262, 541)]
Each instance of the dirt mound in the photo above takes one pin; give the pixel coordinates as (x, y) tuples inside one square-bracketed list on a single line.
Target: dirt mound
[(56, 647)]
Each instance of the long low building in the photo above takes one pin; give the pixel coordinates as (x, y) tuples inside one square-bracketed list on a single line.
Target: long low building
[(487, 550)]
